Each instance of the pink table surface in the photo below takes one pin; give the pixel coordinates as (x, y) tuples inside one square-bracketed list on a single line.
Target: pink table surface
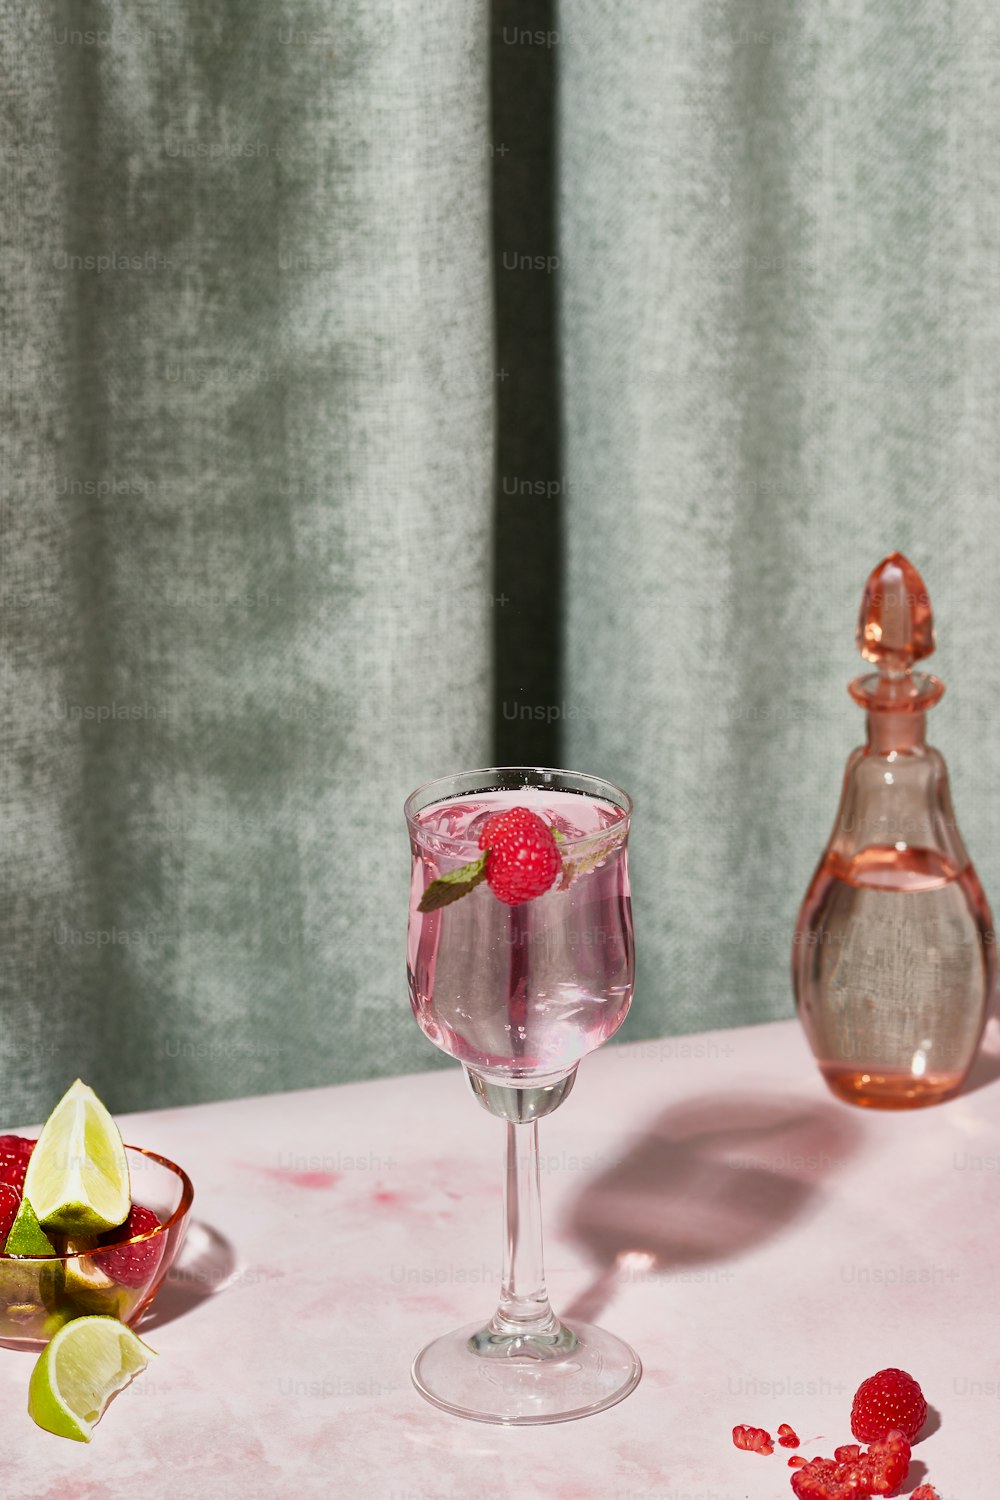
[(762, 1246)]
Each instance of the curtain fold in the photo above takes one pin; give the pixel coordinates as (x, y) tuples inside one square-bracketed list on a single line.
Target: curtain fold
[(780, 350), (721, 281), (247, 529)]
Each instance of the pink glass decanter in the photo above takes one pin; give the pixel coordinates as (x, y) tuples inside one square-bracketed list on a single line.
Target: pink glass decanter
[(893, 963)]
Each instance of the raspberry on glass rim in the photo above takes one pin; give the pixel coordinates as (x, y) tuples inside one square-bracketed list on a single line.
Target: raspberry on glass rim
[(522, 857)]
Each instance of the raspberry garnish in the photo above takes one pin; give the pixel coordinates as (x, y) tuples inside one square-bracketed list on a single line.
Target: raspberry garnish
[(14, 1153), (522, 857), (890, 1400), (857, 1475), (787, 1436), (132, 1265), (10, 1202), (753, 1439)]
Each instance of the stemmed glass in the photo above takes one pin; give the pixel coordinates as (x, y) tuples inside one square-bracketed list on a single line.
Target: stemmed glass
[(519, 993)]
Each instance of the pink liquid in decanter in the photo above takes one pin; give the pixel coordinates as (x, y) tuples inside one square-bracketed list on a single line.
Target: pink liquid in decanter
[(893, 963)]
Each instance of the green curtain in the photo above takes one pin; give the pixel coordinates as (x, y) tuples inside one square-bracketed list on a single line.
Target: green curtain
[(389, 388), (781, 361)]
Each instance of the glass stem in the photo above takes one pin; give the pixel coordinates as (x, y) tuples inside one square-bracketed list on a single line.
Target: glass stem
[(524, 1303)]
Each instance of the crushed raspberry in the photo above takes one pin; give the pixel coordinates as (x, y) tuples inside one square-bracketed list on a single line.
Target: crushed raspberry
[(886, 1402), (797, 1461), (857, 1475), (132, 1265), (753, 1439), (925, 1492), (822, 1479), (14, 1153), (787, 1436), (523, 857), (10, 1202), (885, 1464)]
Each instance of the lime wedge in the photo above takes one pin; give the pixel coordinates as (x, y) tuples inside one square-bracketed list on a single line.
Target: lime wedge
[(78, 1372), (77, 1177), (29, 1289), (89, 1289), (26, 1236)]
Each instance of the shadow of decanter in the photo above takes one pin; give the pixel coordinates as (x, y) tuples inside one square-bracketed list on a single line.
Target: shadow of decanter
[(706, 1181)]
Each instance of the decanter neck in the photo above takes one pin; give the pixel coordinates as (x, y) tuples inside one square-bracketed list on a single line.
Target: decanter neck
[(905, 733)]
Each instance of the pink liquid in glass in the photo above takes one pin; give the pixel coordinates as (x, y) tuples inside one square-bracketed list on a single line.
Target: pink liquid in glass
[(521, 993)]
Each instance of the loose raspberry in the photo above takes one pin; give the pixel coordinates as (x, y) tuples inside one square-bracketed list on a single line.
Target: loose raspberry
[(890, 1400), (753, 1439), (14, 1153), (787, 1436), (132, 1265), (523, 857), (10, 1202), (925, 1492)]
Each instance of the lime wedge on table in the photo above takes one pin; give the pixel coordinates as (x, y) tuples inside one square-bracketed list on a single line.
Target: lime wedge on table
[(77, 1177), (78, 1372), (26, 1235)]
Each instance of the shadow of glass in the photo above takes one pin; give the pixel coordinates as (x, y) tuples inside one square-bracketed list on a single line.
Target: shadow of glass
[(205, 1265), (707, 1181)]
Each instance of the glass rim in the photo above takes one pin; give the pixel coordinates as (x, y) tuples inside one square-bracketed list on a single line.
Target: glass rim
[(187, 1198), (434, 791)]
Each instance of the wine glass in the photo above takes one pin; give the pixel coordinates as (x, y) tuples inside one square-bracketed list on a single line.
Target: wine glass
[(519, 990)]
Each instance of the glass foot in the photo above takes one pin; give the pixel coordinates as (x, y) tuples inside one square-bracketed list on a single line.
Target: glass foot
[(520, 1381)]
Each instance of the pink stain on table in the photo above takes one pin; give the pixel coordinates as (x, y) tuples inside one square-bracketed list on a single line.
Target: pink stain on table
[(297, 1179), (313, 1179), (387, 1199)]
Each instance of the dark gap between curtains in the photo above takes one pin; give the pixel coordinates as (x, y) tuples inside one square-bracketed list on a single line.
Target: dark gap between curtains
[(529, 496)]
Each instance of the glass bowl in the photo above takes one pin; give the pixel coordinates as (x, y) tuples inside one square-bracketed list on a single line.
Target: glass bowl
[(38, 1294)]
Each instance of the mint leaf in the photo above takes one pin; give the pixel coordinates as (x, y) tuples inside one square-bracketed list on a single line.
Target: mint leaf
[(557, 834), (448, 888), (590, 855)]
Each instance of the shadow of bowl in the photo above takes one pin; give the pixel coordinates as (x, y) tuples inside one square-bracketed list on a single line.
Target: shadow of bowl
[(205, 1265)]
